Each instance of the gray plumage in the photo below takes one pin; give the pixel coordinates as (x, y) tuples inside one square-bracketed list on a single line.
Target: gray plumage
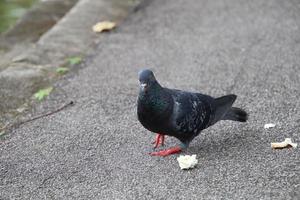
[(181, 114)]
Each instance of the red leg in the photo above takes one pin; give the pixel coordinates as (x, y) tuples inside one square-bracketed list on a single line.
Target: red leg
[(162, 140), (167, 152), (157, 140)]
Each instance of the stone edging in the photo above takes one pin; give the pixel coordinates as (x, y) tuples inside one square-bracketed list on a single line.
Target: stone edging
[(31, 69)]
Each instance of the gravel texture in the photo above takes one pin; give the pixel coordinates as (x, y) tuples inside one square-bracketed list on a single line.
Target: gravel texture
[(97, 149)]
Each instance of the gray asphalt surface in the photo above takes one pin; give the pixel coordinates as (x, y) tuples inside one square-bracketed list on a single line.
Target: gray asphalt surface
[(98, 150)]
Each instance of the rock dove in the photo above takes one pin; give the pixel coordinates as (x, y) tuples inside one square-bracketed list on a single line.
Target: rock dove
[(180, 114)]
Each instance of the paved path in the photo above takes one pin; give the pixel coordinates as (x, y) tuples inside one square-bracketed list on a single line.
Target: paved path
[(98, 150)]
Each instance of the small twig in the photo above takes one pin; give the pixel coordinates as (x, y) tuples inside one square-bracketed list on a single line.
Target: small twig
[(8, 126), (47, 114)]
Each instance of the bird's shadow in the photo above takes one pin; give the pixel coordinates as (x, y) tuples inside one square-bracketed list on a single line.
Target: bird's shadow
[(226, 144)]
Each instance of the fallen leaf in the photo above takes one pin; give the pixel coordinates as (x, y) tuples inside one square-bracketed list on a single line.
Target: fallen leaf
[(267, 126), (41, 94), (104, 26), (62, 70), (2, 133), (187, 161), (285, 144), (21, 109), (74, 60)]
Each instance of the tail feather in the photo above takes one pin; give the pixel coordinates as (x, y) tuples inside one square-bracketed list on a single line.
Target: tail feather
[(236, 114), (223, 105), (225, 111)]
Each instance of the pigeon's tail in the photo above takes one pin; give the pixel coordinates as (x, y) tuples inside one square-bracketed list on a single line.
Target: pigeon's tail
[(225, 111), (236, 114)]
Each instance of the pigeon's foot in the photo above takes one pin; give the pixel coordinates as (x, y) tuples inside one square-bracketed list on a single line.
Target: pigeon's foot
[(167, 152), (159, 140)]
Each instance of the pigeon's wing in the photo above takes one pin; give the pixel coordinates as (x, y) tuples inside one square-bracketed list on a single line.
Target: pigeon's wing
[(192, 112)]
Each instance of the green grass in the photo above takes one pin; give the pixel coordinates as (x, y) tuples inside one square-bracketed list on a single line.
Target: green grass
[(74, 60), (43, 93), (62, 70)]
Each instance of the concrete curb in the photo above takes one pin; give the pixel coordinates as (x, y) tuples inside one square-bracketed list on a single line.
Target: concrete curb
[(71, 36)]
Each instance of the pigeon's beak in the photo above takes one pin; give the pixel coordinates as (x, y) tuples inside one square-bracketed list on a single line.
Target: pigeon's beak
[(144, 86)]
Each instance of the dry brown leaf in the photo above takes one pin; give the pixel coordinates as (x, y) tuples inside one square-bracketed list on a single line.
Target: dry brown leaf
[(287, 143), (104, 26)]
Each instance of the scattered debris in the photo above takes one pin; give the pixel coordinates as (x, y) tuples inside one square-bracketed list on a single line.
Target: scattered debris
[(287, 143), (41, 94), (21, 109), (268, 126), (187, 161), (104, 26), (9, 126)]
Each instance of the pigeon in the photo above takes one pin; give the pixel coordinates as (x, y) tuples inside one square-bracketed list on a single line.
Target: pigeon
[(180, 114)]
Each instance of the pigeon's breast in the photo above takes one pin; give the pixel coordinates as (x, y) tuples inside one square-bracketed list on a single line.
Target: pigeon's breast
[(154, 114)]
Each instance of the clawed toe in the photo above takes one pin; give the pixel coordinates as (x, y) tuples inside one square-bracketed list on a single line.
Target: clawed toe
[(167, 152)]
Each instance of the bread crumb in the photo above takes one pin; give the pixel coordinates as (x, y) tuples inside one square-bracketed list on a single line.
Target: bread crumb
[(267, 126), (285, 144), (187, 161)]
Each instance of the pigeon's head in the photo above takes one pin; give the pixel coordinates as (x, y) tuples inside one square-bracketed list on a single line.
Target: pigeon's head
[(147, 79)]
